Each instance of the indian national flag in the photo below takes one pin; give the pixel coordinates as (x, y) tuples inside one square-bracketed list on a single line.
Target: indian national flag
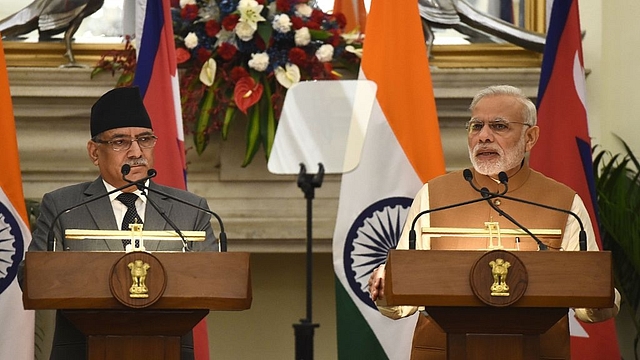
[(562, 117), (402, 150), (16, 337)]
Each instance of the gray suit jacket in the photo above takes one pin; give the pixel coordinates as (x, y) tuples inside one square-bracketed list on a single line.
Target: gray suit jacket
[(68, 342)]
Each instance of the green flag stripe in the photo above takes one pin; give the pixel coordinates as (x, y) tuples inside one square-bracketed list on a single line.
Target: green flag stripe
[(356, 340)]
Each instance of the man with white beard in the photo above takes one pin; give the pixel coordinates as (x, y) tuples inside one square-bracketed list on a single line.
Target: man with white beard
[(501, 131)]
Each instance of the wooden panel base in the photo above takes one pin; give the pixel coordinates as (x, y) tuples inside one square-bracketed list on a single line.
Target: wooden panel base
[(134, 347)]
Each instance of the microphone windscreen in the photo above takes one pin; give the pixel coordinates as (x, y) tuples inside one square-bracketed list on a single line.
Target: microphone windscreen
[(467, 174), (502, 176), (125, 169), (152, 172), (484, 192)]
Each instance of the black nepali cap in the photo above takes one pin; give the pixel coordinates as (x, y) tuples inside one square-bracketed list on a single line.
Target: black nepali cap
[(117, 108)]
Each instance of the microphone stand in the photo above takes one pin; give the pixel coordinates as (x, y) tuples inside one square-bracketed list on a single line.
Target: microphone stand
[(305, 329)]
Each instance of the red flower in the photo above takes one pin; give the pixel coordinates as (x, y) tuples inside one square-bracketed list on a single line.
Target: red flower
[(189, 12), (298, 56), (340, 19), (283, 5), (212, 28), (297, 23), (313, 25), (182, 55), (317, 16), (203, 55), (227, 51), (238, 73), (229, 22), (247, 93)]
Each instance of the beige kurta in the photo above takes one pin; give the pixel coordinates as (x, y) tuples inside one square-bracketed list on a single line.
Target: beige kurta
[(429, 340)]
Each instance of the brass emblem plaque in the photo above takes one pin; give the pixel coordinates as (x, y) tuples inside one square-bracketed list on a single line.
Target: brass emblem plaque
[(498, 278), (137, 279)]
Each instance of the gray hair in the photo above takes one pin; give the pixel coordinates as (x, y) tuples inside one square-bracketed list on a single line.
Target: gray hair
[(529, 112)]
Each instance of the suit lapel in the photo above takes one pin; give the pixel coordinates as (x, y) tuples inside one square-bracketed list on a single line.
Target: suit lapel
[(152, 219), (102, 213)]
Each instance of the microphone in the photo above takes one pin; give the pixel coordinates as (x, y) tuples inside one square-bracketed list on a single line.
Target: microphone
[(412, 232), (223, 235), (582, 237), (125, 170), (486, 194), (50, 234)]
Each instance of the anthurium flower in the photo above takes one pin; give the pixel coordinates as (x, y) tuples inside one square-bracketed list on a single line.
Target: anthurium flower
[(246, 93), (250, 12), (289, 76), (208, 72)]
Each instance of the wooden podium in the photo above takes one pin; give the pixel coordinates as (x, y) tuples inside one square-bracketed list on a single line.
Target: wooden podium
[(126, 315), (458, 290)]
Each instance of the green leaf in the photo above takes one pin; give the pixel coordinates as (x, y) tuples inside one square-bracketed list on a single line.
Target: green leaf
[(252, 135), (265, 30), (229, 114), (201, 136), (268, 123), (319, 34)]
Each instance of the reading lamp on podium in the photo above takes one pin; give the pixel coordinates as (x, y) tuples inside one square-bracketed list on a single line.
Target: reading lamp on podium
[(321, 131)]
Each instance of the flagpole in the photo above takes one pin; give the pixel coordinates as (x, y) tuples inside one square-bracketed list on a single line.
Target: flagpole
[(305, 329)]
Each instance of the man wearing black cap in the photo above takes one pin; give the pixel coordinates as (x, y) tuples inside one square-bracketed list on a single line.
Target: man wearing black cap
[(121, 134)]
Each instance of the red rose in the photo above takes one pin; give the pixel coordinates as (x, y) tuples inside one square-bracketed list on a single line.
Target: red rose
[(212, 28), (203, 55), (227, 51), (283, 5), (340, 19), (229, 22), (298, 56), (313, 25), (317, 16), (238, 72), (189, 12), (297, 23)]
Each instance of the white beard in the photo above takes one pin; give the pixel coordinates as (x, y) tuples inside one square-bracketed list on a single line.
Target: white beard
[(506, 161)]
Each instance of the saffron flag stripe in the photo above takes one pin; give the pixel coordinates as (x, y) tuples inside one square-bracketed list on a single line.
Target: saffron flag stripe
[(403, 139), (156, 75), (17, 336), (562, 117)]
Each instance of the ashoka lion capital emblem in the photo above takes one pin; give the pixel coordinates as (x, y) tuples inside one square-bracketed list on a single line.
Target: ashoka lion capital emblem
[(499, 271), (139, 270)]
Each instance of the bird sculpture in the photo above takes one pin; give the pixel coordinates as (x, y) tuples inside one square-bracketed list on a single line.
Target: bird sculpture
[(458, 13), (50, 17)]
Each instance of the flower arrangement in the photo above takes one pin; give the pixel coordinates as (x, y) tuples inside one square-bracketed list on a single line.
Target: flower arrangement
[(243, 55)]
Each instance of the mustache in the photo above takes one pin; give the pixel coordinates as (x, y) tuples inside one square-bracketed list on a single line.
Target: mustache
[(480, 148), (137, 162)]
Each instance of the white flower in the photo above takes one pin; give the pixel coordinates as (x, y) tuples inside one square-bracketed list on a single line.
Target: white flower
[(208, 72), (352, 36), (244, 31), (282, 23), (302, 36), (353, 50), (259, 61), (191, 40), (304, 10), (184, 3), (289, 76), (250, 13), (325, 53)]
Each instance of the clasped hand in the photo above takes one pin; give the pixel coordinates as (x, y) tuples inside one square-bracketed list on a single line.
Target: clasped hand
[(376, 283)]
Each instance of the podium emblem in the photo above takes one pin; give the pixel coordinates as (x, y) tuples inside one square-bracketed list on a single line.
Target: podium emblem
[(488, 278), (499, 271), (138, 289)]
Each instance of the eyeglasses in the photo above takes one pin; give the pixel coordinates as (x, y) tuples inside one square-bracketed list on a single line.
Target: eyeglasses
[(123, 144), (497, 126)]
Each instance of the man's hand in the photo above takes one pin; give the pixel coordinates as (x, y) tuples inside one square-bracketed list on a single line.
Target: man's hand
[(376, 283)]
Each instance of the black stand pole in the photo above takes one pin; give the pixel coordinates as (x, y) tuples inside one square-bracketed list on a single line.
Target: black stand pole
[(305, 329)]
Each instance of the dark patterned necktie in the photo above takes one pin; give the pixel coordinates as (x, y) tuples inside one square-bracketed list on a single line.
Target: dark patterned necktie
[(131, 216)]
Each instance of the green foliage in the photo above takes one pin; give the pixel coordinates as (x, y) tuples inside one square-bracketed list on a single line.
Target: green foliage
[(618, 193)]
